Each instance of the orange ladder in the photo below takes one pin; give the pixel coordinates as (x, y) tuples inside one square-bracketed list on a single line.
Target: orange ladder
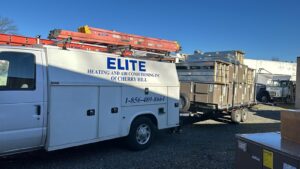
[(105, 37)]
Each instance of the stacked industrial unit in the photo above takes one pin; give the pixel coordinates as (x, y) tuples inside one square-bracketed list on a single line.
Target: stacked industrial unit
[(273, 150), (216, 81)]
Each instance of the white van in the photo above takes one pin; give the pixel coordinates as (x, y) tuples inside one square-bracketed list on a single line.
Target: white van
[(55, 98)]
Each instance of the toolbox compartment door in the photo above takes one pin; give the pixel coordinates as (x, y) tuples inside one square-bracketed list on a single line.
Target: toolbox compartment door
[(73, 115), (173, 105), (110, 112)]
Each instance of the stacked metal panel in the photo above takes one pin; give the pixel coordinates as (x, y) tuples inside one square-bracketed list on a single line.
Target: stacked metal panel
[(204, 72), (233, 56)]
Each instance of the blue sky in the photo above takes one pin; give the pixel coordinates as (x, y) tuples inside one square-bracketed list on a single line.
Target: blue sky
[(264, 29)]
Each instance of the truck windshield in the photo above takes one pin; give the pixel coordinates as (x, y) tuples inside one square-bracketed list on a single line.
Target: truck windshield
[(274, 83)]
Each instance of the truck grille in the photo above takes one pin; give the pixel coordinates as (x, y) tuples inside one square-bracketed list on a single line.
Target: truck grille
[(272, 94)]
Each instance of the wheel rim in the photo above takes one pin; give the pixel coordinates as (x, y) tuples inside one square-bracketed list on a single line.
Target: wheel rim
[(264, 99), (244, 114), (237, 116), (143, 134)]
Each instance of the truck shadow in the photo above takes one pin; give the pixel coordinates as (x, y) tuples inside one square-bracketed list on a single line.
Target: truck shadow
[(64, 157), (254, 114), (193, 128), (268, 114)]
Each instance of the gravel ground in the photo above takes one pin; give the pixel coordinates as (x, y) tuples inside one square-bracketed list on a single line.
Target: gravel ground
[(205, 144)]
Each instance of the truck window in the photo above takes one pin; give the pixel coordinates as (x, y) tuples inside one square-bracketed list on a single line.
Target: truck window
[(4, 64), (284, 84), (195, 67), (17, 71)]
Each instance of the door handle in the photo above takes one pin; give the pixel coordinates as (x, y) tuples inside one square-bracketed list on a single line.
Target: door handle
[(114, 110), (90, 112), (38, 110)]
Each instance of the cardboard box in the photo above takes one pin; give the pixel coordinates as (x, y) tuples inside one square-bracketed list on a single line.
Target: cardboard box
[(290, 125), (202, 88), (231, 73), (215, 96), (251, 93), (238, 94), (202, 98), (230, 94), (211, 93), (246, 94), (250, 76), (242, 74), (224, 95)]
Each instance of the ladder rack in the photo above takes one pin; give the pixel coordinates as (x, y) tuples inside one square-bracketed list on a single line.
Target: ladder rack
[(16, 40)]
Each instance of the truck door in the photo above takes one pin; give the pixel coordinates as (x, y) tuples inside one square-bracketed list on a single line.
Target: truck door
[(21, 99)]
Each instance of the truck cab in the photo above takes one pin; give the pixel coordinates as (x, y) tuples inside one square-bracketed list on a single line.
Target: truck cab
[(23, 98), (276, 90)]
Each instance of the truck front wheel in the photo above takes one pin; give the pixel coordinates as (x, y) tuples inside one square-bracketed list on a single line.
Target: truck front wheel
[(141, 135), (265, 98)]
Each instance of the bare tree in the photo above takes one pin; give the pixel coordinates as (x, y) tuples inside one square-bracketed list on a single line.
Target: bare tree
[(275, 59), (7, 26)]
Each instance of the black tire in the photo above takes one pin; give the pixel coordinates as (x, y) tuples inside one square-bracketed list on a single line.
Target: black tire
[(244, 115), (184, 102), (141, 124), (236, 116), (265, 97)]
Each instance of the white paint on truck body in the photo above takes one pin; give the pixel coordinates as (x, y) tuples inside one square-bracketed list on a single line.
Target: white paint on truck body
[(75, 97)]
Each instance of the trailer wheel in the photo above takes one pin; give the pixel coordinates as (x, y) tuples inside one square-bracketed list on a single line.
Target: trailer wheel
[(244, 115), (184, 102), (236, 116), (141, 134)]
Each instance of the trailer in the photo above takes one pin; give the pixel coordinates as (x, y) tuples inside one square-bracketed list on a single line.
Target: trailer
[(216, 87), (62, 95)]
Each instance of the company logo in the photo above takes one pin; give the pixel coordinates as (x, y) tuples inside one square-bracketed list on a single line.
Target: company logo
[(126, 64)]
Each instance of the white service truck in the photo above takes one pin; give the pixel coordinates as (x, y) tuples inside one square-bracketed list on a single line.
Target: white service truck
[(55, 98)]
